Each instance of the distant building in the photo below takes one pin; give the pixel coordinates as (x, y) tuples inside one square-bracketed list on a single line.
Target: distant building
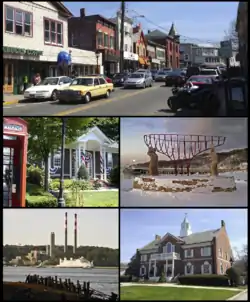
[(52, 244), (47, 249)]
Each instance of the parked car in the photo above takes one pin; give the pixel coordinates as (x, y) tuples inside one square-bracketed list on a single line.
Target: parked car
[(139, 80), (161, 76), (84, 89), (47, 89), (167, 69), (143, 70), (154, 72), (175, 78), (200, 80), (109, 80), (120, 78), (210, 72)]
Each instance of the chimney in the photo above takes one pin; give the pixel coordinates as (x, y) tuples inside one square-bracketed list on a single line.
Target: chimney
[(223, 223), (157, 237), (75, 235), (66, 233), (82, 12)]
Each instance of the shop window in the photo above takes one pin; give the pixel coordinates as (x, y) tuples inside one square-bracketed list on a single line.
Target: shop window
[(126, 47), (112, 42), (99, 38), (18, 22), (106, 40), (53, 32)]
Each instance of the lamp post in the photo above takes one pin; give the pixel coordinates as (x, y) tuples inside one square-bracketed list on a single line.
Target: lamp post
[(61, 201), (97, 54)]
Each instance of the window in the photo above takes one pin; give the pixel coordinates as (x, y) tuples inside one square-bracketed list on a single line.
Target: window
[(106, 40), (96, 82), (189, 253), (221, 268), (176, 48), (112, 42), (99, 38), (53, 32), (142, 271), (226, 256), (206, 251), (169, 247), (18, 21), (131, 48), (57, 160), (126, 47), (74, 40), (206, 268), (220, 253), (143, 257), (102, 81), (188, 269), (170, 46)]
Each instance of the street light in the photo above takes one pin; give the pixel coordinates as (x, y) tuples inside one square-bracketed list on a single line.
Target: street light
[(97, 54), (61, 201)]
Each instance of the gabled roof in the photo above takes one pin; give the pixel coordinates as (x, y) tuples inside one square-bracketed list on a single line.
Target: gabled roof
[(171, 235), (97, 131), (172, 31), (156, 34), (200, 237), (152, 245), (62, 8)]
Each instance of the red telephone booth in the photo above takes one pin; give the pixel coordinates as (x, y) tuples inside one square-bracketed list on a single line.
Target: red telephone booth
[(15, 144)]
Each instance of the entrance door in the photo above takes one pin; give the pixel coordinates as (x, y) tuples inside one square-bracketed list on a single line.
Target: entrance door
[(8, 85), (8, 165), (53, 71)]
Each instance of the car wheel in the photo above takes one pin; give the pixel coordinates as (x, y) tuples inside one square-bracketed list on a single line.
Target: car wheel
[(172, 104), (54, 96), (107, 95), (87, 98)]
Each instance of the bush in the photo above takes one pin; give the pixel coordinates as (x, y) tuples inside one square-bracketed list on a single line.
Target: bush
[(35, 190), (41, 202), (205, 280), (35, 176), (70, 184), (81, 185), (97, 184), (83, 173), (234, 276), (126, 278), (162, 278), (114, 177)]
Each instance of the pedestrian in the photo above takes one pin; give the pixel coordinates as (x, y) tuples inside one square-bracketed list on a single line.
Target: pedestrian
[(36, 79), (25, 82)]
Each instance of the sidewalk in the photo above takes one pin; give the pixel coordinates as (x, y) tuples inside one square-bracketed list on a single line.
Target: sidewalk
[(12, 99)]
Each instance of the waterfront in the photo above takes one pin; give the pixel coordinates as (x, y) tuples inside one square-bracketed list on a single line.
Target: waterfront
[(104, 280)]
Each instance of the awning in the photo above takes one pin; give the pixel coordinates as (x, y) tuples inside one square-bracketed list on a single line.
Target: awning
[(142, 61)]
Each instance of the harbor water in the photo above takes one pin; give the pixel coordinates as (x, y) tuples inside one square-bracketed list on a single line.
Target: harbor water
[(104, 280)]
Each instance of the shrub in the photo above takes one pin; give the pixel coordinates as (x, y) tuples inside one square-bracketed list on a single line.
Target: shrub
[(97, 184), (81, 185), (35, 190), (114, 177), (205, 280), (70, 184), (162, 278), (35, 176), (234, 276), (83, 173), (55, 184), (41, 202), (126, 278)]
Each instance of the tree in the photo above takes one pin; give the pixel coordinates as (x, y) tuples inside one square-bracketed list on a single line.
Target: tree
[(231, 33), (108, 125), (45, 137), (83, 173), (234, 276), (134, 265)]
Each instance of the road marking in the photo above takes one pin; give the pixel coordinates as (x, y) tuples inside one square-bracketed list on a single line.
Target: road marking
[(11, 102), (93, 105)]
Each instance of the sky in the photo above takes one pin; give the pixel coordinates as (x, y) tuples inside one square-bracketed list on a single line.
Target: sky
[(197, 22), (139, 227), (96, 227), (133, 130)]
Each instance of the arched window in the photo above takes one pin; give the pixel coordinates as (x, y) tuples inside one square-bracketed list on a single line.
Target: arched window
[(206, 268), (221, 268), (189, 268), (169, 247)]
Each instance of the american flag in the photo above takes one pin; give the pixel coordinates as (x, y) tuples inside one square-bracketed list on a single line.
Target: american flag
[(85, 157)]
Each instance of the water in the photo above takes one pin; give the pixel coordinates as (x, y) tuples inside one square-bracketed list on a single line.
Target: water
[(104, 280)]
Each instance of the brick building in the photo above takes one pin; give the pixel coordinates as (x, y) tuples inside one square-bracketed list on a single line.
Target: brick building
[(95, 33), (140, 47), (207, 252), (171, 41)]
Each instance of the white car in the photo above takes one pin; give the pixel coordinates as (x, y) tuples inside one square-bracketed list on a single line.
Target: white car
[(47, 89)]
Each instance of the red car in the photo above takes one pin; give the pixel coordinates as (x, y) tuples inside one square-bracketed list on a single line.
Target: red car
[(102, 75), (200, 80)]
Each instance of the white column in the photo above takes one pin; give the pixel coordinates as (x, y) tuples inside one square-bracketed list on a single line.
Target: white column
[(173, 268), (149, 268), (105, 164), (70, 163), (154, 268), (94, 164), (101, 163), (166, 268)]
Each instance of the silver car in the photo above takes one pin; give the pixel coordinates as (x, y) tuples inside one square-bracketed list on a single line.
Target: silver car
[(161, 76), (139, 80)]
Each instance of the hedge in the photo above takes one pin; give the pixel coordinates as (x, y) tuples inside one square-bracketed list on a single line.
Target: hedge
[(126, 278), (41, 202), (70, 184), (206, 280)]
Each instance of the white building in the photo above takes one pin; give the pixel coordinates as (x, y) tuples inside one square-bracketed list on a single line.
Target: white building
[(130, 58), (34, 33), (206, 54)]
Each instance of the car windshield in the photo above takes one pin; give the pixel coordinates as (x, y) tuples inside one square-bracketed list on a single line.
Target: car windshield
[(49, 81), (119, 75), (137, 76), (200, 80), (208, 72), (83, 82)]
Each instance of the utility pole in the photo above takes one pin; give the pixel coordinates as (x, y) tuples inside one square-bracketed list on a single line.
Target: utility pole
[(122, 36)]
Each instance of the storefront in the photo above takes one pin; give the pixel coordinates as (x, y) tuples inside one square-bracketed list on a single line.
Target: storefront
[(130, 61), (110, 61), (155, 64), (144, 62)]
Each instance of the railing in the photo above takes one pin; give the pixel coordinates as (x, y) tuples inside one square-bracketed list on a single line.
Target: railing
[(165, 256)]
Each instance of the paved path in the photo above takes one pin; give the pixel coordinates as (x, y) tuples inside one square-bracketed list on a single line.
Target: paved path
[(242, 296), (149, 101), (177, 285)]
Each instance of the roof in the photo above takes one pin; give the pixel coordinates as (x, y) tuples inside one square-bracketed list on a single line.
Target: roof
[(101, 17), (172, 31), (60, 6), (191, 239), (156, 34)]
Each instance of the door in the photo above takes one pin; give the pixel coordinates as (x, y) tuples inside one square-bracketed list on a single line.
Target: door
[(8, 85), (53, 71), (8, 166), (103, 86), (97, 88)]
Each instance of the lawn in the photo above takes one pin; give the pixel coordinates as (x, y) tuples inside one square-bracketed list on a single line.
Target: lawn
[(95, 199), (172, 293)]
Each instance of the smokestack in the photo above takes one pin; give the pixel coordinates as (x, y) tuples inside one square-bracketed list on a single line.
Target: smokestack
[(66, 233), (75, 235)]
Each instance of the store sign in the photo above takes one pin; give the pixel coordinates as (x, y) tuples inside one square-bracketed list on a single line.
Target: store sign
[(12, 127), (22, 51)]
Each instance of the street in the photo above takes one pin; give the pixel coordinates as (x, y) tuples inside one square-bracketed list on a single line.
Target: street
[(131, 102)]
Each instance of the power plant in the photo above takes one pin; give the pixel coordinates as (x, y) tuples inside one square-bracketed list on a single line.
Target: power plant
[(50, 249)]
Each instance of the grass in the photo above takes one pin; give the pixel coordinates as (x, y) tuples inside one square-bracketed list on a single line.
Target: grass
[(96, 199), (171, 293)]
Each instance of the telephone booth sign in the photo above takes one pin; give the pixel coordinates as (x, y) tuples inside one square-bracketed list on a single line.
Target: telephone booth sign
[(15, 147)]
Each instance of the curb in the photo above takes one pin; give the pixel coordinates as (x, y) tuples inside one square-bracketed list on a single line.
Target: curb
[(236, 296), (11, 102)]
